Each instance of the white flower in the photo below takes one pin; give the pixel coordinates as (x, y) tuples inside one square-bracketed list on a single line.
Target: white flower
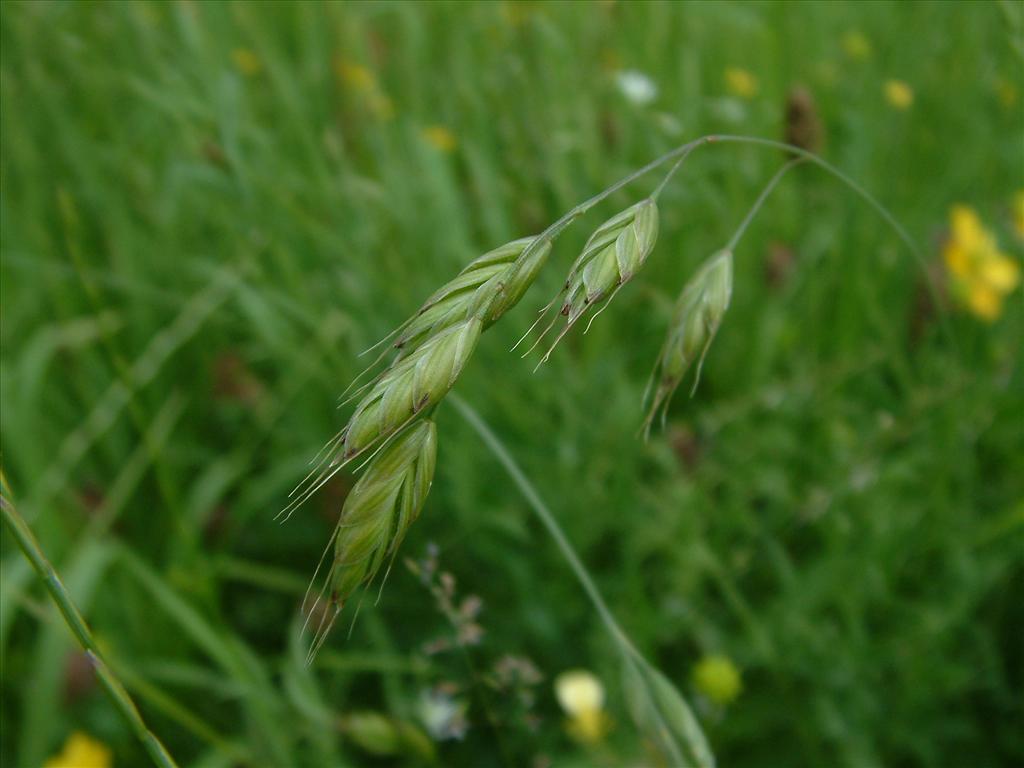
[(636, 86), (581, 695), (443, 715), (578, 691)]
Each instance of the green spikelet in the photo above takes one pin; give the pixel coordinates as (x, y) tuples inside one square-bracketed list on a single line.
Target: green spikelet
[(487, 288), (695, 321), (380, 508), (612, 255), (413, 384)]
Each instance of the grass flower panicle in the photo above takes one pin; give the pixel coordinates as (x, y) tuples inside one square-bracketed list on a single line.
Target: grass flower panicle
[(432, 349), (413, 384), (377, 513), (661, 712), (612, 255), (695, 321), (487, 288), (610, 258)]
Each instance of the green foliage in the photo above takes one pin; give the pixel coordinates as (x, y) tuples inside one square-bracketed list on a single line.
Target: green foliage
[(209, 210)]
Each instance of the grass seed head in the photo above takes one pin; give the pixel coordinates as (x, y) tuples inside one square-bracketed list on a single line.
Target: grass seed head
[(414, 383), (610, 258), (663, 715), (612, 255), (695, 321), (380, 508), (487, 288)]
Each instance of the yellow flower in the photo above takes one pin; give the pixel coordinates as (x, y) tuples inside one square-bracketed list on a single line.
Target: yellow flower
[(1017, 209), (898, 93), (440, 138), (984, 301), (966, 225), (717, 678), (982, 274), (740, 82), (246, 61), (355, 76), (361, 82), (82, 751), (581, 696), (857, 46), (1006, 92)]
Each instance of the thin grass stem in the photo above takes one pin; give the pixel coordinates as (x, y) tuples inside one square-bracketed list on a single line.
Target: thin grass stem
[(631, 656), (731, 246), (871, 200), (26, 541)]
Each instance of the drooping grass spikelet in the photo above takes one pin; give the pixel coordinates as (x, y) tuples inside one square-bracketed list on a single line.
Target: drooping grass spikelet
[(377, 513), (398, 396), (411, 385), (433, 347), (382, 505), (695, 321), (663, 715), (487, 288), (610, 258)]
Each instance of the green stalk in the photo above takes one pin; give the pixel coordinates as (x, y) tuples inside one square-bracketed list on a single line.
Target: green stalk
[(58, 593), (681, 152), (630, 655)]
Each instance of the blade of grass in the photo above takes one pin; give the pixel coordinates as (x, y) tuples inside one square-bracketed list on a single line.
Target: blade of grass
[(227, 650), (118, 395), (76, 623)]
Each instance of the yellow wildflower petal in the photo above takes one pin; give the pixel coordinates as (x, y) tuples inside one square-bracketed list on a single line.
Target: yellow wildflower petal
[(740, 82), (717, 678), (1000, 272), (1006, 91), (589, 726), (439, 137), (355, 76), (82, 751), (967, 229), (246, 62), (898, 93), (958, 262), (984, 301), (856, 45)]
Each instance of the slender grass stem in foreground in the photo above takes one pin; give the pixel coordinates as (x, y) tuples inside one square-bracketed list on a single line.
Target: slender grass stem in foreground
[(59, 594)]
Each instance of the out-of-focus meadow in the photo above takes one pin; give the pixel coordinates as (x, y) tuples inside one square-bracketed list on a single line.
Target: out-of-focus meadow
[(208, 211)]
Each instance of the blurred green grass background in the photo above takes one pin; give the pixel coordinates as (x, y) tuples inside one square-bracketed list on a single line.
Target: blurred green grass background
[(208, 210)]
